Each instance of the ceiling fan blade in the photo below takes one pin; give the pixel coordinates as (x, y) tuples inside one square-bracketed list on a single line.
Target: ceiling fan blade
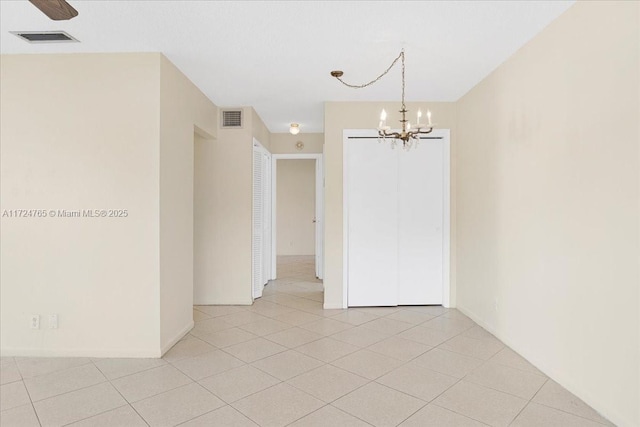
[(58, 10)]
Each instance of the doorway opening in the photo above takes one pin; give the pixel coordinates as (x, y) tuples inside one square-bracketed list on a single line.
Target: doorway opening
[(297, 219)]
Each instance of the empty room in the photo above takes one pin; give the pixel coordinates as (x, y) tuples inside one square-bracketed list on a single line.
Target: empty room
[(310, 213)]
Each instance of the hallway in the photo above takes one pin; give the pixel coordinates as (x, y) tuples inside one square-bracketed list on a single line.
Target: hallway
[(286, 361)]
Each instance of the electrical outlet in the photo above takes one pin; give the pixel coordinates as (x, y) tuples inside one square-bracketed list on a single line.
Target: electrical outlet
[(53, 321), (35, 321)]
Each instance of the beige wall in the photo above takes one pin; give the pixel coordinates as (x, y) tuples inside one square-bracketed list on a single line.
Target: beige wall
[(231, 244), (285, 143), (296, 205), (364, 115), (548, 204), (98, 131), (183, 109), (204, 215), (259, 131), (80, 132), (230, 252)]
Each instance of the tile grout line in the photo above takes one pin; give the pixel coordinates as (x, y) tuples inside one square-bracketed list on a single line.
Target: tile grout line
[(213, 410), (251, 394), (35, 412), (135, 373), (128, 403), (97, 415), (156, 394), (571, 413), (528, 402), (539, 372), (68, 392), (253, 361), (52, 372), (243, 397), (333, 366), (432, 401), (62, 394), (322, 407), (30, 401), (458, 413), (256, 422), (414, 412)]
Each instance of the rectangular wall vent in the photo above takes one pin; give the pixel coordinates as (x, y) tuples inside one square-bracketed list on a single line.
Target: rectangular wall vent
[(231, 118), (45, 36)]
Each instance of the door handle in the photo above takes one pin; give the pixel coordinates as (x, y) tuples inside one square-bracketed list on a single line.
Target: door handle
[(314, 220)]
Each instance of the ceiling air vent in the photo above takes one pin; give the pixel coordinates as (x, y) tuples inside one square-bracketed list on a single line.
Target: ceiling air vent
[(231, 118), (45, 36)]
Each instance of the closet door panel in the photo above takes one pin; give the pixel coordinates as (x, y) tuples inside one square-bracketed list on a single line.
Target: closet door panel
[(372, 223), (420, 222)]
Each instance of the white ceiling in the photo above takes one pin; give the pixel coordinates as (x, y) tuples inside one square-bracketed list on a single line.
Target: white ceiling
[(276, 55)]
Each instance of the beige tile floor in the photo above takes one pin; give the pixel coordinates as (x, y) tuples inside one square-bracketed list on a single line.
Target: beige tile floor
[(286, 361)]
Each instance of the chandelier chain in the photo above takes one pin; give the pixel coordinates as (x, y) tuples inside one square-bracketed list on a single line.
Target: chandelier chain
[(402, 55), (380, 76)]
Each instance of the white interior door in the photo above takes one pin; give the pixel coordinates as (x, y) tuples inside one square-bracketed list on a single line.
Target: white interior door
[(319, 219), (420, 224), (372, 223), (266, 223)]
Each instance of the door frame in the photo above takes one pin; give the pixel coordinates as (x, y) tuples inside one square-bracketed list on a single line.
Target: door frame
[(444, 135), (319, 211)]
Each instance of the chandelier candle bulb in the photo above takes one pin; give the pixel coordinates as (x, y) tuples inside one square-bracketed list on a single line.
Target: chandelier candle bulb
[(429, 117), (419, 117), (383, 115)]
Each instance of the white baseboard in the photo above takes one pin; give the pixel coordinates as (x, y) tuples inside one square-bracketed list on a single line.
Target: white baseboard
[(333, 307), (166, 347), (140, 353), (243, 302), (80, 352)]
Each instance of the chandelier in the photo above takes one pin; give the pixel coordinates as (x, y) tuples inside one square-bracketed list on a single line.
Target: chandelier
[(409, 133)]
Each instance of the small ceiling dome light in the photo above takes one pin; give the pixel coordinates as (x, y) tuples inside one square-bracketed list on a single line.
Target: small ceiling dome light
[(294, 129)]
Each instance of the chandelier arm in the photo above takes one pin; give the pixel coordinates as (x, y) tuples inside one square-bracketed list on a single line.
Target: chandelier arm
[(384, 134), (379, 77)]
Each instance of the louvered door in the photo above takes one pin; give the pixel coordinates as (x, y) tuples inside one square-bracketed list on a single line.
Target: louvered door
[(261, 219), (258, 222)]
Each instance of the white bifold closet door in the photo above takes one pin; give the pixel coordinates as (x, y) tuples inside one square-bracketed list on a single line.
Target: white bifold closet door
[(395, 223)]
